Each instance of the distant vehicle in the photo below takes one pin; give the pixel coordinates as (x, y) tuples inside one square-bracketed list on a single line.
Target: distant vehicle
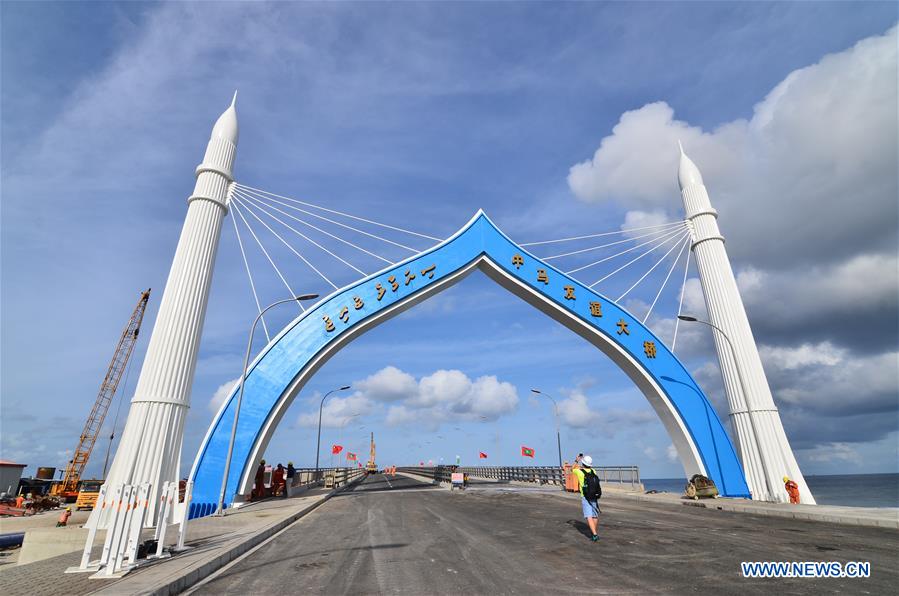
[(87, 494)]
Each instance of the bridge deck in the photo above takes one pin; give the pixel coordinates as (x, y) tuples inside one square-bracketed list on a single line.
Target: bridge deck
[(401, 535)]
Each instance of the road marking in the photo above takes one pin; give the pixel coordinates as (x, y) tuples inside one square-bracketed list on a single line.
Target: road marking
[(388, 481)]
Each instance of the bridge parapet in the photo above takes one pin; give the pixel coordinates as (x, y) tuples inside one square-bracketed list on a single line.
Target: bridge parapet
[(613, 476), (303, 478)]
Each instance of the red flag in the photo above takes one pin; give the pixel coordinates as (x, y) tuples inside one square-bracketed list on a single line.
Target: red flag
[(336, 448), (350, 456), (482, 455), (527, 451)]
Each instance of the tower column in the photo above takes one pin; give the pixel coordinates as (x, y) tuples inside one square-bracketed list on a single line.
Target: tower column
[(150, 447), (762, 443)]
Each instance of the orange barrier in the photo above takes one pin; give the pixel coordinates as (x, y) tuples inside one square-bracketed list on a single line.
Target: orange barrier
[(571, 484)]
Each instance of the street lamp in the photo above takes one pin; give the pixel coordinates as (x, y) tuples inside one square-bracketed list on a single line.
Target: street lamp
[(556, 413), (755, 432), (318, 441), (219, 510)]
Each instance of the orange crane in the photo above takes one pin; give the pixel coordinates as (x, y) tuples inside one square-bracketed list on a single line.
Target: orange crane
[(370, 466), (68, 488)]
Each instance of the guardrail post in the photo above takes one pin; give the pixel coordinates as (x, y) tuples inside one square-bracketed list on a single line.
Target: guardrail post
[(169, 492), (117, 531), (185, 514), (141, 505), (92, 532)]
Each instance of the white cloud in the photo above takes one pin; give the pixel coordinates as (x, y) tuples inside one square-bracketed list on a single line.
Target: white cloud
[(643, 219), (822, 142), (388, 384), (834, 383), (576, 412), (442, 396), (671, 454), (338, 411), (806, 302), (221, 394), (831, 452), (444, 386), (451, 394), (399, 415), (805, 355), (694, 299)]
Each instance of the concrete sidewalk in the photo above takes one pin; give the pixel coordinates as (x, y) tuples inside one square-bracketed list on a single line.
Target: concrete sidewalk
[(213, 542)]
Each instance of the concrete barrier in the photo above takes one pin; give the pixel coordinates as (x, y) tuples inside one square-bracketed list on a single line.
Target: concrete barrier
[(43, 543)]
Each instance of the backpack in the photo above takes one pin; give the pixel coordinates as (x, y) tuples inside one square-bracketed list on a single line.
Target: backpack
[(592, 490)]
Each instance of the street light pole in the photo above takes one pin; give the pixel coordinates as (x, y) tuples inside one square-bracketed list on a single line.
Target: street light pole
[(556, 413), (318, 441), (219, 509), (733, 352)]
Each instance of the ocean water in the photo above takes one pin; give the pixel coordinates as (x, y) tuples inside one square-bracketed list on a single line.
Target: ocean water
[(853, 490)]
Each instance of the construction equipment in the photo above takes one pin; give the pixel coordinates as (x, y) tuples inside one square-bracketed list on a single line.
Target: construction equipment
[(371, 467), (87, 494), (68, 488)]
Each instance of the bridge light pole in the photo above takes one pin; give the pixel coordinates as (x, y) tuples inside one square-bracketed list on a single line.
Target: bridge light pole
[(755, 433), (556, 413), (318, 441), (219, 510)]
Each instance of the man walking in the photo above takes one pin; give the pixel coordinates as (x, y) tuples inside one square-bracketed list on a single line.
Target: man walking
[(591, 491)]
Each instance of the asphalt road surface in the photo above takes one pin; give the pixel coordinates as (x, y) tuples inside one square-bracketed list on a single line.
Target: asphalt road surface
[(398, 535)]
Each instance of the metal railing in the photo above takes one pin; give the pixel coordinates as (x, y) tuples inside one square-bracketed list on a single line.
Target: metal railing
[(311, 476), (623, 475)]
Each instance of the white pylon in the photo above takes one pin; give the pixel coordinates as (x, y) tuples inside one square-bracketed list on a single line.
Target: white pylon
[(762, 443), (150, 447)]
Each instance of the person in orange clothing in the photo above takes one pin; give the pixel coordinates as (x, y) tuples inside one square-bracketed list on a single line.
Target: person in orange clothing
[(64, 518), (258, 482), (277, 480), (792, 490), (20, 502)]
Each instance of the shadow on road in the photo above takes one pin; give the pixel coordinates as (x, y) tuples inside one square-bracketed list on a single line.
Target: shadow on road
[(580, 527)]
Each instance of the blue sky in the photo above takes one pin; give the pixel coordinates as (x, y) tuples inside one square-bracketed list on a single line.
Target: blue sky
[(557, 119)]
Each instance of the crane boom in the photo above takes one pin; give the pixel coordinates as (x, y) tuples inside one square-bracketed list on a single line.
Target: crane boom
[(75, 468), (371, 466)]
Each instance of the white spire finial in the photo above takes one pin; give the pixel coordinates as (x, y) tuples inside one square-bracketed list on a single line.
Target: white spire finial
[(687, 173), (226, 126)]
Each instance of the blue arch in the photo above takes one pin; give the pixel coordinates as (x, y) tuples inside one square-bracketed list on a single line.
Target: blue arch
[(281, 369)]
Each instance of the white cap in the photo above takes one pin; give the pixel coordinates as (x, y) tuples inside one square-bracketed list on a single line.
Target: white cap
[(588, 460), (687, 172), (226, 126)]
